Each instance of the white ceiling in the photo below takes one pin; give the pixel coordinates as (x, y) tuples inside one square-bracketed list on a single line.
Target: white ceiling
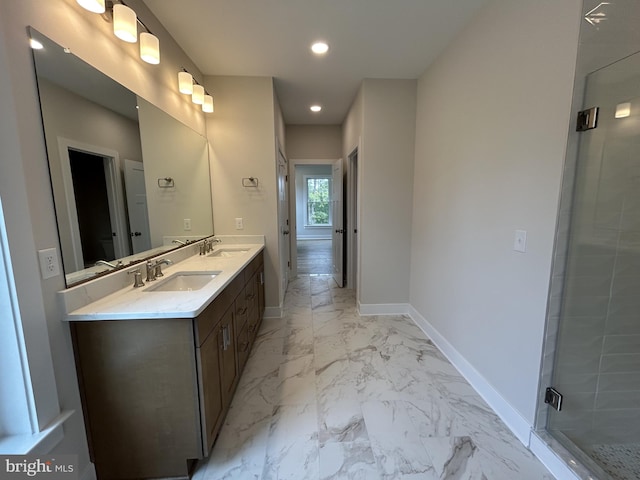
[(367, 39)]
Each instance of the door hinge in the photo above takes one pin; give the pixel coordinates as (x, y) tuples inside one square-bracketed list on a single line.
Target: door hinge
[(587, 119), (553, 398)]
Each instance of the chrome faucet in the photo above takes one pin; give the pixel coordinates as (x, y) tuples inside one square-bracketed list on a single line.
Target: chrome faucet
[(151, 271), (179, 241), (137, 278), (158, 266), (109, 264)]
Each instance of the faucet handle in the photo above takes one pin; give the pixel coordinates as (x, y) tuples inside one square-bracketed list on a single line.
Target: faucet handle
[(151, 271), (137, 278)]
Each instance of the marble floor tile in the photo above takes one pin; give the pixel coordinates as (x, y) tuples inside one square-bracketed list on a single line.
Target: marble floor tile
[(328, 394)]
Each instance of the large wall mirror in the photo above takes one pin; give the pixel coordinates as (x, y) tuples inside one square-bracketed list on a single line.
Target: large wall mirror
[(129, 181)]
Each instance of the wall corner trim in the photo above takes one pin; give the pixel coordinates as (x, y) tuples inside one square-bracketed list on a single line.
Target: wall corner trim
[(509, 415)]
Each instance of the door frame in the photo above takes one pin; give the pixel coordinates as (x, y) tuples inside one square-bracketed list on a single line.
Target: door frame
[(113, 177), (353, 219), (293, 163)]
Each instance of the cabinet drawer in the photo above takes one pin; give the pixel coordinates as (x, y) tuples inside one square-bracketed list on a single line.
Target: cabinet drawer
[(240, 312)]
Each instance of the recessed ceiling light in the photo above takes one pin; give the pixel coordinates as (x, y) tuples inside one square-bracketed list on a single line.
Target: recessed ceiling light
[(319, 48), (35, 44), (315, 108)]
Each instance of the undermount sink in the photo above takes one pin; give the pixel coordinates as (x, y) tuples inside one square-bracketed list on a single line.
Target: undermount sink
[(228, 252), (183, 282)]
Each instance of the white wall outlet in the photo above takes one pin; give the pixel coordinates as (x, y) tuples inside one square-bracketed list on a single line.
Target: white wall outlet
[(49, 264), (239, 224), (520, 241), (187, 224)]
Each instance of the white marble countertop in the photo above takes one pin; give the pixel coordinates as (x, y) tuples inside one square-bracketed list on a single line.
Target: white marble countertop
[(139, 303)]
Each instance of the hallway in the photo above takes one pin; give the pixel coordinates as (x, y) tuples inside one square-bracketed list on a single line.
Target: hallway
[(314, 256), (328, 394)]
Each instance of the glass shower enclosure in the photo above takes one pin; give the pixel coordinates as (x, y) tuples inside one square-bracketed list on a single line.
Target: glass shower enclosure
[(597, 352)]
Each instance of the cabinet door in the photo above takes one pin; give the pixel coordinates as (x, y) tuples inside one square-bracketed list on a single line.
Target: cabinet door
[(209, 357), (228, 365)]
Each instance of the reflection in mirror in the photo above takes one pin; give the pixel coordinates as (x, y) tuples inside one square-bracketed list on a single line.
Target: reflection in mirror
[(128, 179)]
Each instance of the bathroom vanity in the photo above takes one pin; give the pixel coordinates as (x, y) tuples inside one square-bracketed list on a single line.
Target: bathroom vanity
[(156, 384)]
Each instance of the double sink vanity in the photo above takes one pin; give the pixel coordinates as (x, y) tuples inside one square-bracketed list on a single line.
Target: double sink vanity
[(158, 364)]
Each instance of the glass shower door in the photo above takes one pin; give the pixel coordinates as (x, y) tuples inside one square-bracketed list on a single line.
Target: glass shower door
[(597, 364)]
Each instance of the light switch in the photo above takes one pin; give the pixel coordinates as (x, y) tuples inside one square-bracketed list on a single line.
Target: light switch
[(520, 241), (187, 224)]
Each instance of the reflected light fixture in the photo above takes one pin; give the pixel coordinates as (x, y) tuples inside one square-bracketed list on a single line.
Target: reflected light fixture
[(95, 6), (185, 83), (315, 108), (198, 94), (125, 23), (623, 110), (35, 44), (149, 48), (319, 48), (207, 105)]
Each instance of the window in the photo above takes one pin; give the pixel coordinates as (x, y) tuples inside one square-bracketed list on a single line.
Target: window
[(318, 191)]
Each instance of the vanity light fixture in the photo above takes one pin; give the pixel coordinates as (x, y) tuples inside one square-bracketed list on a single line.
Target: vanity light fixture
[(95, 6), (207, 105), (149, 48), (198, 94), (319, 48), (315, 108), (185, 82), (623, 110), (125, 23)]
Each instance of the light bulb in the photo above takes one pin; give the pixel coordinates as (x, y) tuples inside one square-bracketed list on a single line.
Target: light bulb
[(149, 48), (125, 23), (207, 105), (320, 48), (185, 83), (198, 94), (315, 108), (95, 6)]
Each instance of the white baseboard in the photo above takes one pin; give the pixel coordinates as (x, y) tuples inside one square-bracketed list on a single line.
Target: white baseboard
[(383, 308), (510, 416), (550, 459), (272, 312)]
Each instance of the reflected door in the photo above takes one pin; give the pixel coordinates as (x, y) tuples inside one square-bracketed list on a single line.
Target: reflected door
[(283, 224), (137, 206)]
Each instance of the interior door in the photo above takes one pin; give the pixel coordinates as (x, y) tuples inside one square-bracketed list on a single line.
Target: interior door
[(137, 206), (283, 223), (337, 219)]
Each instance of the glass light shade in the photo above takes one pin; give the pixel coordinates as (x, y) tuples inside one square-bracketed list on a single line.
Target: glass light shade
[(207, 105), (198, 94), (95, 6), (149, 48), (623, 110), (185, 83), (125, 23)]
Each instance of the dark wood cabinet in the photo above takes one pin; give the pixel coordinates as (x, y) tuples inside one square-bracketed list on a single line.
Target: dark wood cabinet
[(155, 392)]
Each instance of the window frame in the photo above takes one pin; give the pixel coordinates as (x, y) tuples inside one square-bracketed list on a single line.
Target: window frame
[(305, 199)]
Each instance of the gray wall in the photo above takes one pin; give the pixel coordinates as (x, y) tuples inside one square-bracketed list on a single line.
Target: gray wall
[(491, 131), (314, 142), (242, 138)]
